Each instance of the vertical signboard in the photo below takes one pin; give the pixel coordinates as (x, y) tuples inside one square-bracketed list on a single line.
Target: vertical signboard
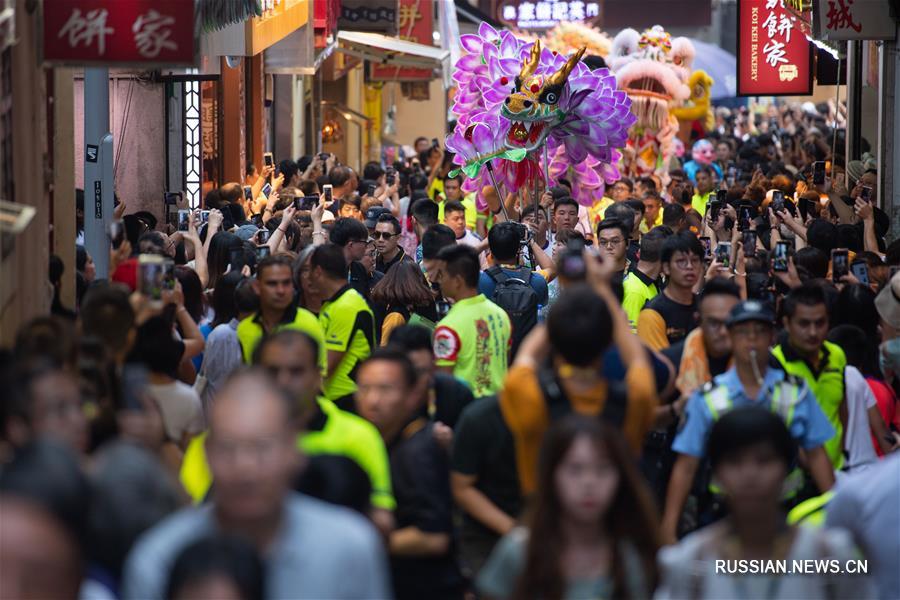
[(416, 25), (774, 56)]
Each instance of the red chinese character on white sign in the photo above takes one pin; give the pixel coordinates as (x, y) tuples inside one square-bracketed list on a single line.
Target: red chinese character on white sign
[(83, 29), (840, 16)]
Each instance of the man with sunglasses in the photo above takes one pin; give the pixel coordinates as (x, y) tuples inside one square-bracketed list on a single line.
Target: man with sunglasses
[(387, 243)]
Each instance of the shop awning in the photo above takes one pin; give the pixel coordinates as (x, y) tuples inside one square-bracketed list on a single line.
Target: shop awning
[(391, 51)]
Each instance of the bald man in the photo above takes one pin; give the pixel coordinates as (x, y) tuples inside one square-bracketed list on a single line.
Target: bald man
[(310, 547)]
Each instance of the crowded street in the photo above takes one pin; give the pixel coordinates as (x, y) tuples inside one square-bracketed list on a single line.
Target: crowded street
[(449, 299)]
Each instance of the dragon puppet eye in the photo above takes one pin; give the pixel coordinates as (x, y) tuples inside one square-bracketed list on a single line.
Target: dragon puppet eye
[(550, 98), (677, 60)]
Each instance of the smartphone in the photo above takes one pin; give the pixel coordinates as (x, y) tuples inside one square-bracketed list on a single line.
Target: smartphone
[(267, 189), (116, 232), (707, 247), (390, 177), (818, 172), (134, 386), (370, 191), (152, 276), (268, 160), (732, 176), (860, 270), (777, 201), (204, 217), (744, 218), (723, 254), (262, 236), (323, 156), (257, 221), (839, 264), (435, 143), (184, 219), (749, 242), (262, 252), (306, 202), (248, 193), (721, 196), (780, 257), (865, 193), (803, 206), (172, 198), (328, 190), (714, 207)]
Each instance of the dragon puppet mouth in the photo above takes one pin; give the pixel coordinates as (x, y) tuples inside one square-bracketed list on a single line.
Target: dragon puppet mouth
[(526, 134), (648, 87)]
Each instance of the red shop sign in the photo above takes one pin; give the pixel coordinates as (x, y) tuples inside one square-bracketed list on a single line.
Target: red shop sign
[(119, 32), (416, 25), (774, 57)]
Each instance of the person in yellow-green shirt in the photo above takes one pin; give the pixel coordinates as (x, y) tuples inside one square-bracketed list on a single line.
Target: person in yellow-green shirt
[(275, 288), (346, 320), (653, 214), (289, 357), (472, 341), (640, 282), (706, 182)]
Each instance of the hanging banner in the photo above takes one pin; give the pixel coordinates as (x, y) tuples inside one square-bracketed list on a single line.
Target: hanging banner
[(119, 32), (855, 20), (416, 25), (774, 57)]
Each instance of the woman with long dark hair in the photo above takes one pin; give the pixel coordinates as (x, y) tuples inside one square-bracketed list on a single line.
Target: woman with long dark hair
[(404, 294), (220, 247), (592, 531)]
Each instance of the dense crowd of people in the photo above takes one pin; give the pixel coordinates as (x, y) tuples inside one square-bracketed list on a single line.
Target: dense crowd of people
[(326, 383)]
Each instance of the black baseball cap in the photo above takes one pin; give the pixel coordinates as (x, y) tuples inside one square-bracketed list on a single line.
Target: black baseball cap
[(372, 215), (750, 310)]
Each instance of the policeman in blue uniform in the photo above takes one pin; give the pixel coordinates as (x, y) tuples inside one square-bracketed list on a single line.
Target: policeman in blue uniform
[(751, 380)]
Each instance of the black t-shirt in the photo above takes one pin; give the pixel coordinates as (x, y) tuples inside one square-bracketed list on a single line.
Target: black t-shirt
[(451, 396), (680, 318), (420, 474), (483, 446)]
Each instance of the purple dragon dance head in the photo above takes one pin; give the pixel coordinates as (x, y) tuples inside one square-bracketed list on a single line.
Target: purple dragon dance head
[(514, 98)]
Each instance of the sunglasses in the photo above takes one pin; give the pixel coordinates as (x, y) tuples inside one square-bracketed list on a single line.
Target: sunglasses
[(383, 235)]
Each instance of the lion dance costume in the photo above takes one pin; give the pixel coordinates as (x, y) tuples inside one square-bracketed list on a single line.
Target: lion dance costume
[(653, 69), (517, 101)]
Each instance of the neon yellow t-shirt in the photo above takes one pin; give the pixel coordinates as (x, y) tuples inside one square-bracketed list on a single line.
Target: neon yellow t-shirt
[(698, 202), (639, 290), (250, 332), (349, 327), (342, 433), (471, 211), (474, 339)]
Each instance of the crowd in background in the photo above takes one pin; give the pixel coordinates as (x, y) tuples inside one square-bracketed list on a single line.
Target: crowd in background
[(327, 383)]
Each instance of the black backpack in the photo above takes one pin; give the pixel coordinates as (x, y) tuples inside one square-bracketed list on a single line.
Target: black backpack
[(515, 295)]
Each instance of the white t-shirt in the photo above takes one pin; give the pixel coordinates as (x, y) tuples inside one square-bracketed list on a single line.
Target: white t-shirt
[(857, 437), (180, 407)]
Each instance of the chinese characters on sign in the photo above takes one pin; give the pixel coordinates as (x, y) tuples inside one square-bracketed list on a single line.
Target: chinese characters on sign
[(119, 31), (855, 20), (544, 14), (774, 55), (416, 25)]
